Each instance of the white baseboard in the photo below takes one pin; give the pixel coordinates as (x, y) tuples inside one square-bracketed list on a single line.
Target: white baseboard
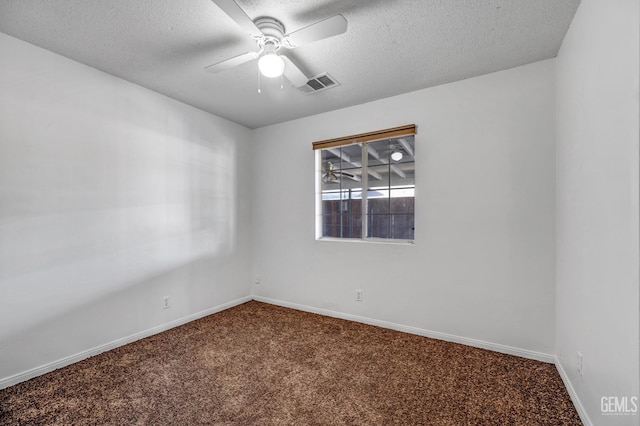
[(524, 353), (38, 371), (573, 394), (539, 356)]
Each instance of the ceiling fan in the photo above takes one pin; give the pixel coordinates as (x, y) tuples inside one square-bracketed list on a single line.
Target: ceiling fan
[(269, 35), (331, 175)]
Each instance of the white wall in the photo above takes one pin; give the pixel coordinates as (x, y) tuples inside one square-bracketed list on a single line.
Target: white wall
[(597, 204), (482, 266), (111, 197)]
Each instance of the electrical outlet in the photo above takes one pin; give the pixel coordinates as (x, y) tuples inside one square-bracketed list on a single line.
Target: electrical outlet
[(257, 280), (579, 363), (165, 301), (358, 295)]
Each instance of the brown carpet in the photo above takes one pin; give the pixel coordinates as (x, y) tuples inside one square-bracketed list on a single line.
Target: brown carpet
[(258, 364)]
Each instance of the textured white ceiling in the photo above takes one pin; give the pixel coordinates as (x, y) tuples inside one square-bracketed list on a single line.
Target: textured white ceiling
[(390, 47)]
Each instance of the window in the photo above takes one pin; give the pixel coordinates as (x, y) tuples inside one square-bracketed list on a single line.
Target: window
[(383, 163)]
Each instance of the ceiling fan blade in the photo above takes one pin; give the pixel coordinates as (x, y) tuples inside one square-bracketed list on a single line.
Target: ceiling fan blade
[(293, 73), (314, 32), (232, 62), (235, 12)]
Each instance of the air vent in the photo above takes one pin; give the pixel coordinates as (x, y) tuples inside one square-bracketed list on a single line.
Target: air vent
[(319, 83)]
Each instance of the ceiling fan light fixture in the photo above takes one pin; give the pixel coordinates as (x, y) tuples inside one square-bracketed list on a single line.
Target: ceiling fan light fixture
[(271, 65), (396, 155)]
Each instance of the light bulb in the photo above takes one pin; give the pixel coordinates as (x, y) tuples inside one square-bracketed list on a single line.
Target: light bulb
[(396, 156), (271, 65)]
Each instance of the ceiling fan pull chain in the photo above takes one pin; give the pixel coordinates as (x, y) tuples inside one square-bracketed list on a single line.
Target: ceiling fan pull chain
[(259, 80)]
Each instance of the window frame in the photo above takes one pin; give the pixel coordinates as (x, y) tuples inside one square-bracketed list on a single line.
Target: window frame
[(363, 139)]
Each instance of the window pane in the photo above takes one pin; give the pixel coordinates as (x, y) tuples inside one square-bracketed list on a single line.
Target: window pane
[(331, 225), (379, 226), (390, 193), (342, 225), (378, 153), (342, 192), (402, 227), (378, 202), (402, 207)]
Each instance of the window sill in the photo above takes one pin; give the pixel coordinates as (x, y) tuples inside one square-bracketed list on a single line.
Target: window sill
[(368, 241)]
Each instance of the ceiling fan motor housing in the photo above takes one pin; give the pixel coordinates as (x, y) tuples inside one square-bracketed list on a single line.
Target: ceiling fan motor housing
[(270, 27)]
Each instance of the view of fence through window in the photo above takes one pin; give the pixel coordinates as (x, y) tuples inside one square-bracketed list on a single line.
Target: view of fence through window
[(386, 209)]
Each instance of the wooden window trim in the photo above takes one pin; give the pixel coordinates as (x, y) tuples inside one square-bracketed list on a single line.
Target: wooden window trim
[(409, 129)]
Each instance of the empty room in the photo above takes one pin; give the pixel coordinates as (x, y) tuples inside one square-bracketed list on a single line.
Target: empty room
[(329, 212)]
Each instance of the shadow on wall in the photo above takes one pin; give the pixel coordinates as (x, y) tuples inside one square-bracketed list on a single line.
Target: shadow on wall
[(80, 224)]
